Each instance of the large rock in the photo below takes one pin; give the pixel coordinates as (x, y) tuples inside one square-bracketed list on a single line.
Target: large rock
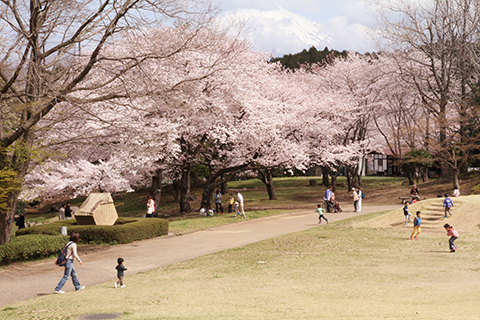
[(97, 209)]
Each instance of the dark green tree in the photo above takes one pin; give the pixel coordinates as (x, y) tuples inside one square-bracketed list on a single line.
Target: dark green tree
[(417, 161)]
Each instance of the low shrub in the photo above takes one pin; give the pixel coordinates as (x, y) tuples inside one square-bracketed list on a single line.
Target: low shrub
[(125, 230), (31, 247)]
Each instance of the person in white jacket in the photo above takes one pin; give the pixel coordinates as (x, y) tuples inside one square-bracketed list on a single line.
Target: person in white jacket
[(240, 203)]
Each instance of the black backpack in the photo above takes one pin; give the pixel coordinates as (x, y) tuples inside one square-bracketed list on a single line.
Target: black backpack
[(62, 256)]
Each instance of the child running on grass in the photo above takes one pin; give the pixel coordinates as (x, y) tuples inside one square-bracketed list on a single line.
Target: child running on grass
[(320, 212), (237, 210), (453, 236), (120, 269), (447, 204), (416, 226), (406, 213)]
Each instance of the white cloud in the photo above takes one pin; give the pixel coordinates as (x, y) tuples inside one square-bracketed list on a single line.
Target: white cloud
[(282, 31), (348, 36)]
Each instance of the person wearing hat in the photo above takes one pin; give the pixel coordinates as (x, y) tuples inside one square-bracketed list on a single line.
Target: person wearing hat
[(355, 200), (414, 193)]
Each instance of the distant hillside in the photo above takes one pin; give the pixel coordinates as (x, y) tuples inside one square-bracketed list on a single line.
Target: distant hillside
[(294, 61)]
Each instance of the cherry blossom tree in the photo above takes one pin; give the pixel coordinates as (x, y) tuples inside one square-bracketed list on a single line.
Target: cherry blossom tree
[(439, 43), (50, 48), (358, 81)]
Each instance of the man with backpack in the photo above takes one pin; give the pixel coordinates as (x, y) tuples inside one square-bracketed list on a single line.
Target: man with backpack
[(65, 259)]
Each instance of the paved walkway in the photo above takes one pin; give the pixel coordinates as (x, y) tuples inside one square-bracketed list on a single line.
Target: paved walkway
[(27, 280)]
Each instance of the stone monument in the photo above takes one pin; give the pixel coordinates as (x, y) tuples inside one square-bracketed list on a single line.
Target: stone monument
[(97, 209)]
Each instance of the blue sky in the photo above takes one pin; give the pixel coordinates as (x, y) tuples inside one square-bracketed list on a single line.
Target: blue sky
[(343, 24)]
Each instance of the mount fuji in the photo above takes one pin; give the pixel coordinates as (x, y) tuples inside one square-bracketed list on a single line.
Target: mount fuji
[(279, 31)]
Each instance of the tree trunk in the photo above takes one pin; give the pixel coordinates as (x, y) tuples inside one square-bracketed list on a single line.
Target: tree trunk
[(334, 175), (424, 173), (352, 176), (157, 190), (410, 175), (325, 171), (185, 189), (6, 221), (266, 176), (175, 189), (20, 161), (207, 195), (455, 179), (225, 187)]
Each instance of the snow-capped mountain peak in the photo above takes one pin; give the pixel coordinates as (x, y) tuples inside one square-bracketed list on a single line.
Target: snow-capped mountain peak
[(280, 31)]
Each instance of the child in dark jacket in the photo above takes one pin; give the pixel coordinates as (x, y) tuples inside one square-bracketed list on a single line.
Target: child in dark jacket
[(120, 269)]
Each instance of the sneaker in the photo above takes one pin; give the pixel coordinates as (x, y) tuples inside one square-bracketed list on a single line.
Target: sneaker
[(452, 251), (59, 291), (122, 286), (115, 285), (406, 222), (81, 288), (445, 216), (416, 238), (327, 221)]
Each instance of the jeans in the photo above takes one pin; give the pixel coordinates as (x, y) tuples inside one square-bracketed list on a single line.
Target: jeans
[(451, 244), (69, 271)]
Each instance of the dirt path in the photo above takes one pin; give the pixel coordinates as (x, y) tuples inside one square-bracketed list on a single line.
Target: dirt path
[(27, 280)]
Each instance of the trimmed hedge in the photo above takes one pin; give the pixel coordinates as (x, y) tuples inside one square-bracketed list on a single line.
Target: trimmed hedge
[(31, 247), (125, 230)]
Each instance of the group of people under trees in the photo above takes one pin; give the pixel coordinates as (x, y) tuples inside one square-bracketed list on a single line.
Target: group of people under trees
[(239, 205)]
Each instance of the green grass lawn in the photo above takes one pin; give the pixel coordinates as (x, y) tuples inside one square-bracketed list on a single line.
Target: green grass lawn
[(342, 270)]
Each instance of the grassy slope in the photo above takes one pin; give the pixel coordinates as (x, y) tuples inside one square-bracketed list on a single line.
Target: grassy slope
[(465, 215), (351, 269)]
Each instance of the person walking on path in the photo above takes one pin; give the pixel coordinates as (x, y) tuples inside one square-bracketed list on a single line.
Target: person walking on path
[(361, 195), (241, 209), (447, 204), (453, 234), (120, 270), (61, 212), (407, 213), (231, 201), (218, 202), (69, 270), (68, 211), (417, 226), (320, 212), (150, 207), (355, 200)]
